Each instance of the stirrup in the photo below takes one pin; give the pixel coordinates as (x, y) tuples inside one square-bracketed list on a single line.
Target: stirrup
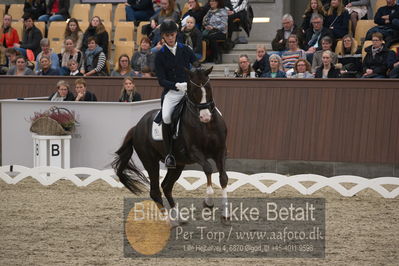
[(170, 161)]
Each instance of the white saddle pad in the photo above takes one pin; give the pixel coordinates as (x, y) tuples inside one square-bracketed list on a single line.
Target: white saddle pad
[(156, 131)]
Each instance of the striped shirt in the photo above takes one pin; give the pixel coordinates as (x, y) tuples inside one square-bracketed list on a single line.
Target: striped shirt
[(290, 57)]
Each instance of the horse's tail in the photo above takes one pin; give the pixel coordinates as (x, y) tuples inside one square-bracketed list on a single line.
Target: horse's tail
[(125, 168)]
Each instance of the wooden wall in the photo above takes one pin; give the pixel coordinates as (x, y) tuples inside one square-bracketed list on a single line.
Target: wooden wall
[(346, 120)]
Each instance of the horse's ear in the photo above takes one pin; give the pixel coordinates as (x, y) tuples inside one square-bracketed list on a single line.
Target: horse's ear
[(208, 71), (188, 72)]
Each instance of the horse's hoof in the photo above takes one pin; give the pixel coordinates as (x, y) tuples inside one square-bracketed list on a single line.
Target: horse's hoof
[(205, 205), (225, 220)]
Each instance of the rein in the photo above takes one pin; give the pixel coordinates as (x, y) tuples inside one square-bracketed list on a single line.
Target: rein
[(208, 105)]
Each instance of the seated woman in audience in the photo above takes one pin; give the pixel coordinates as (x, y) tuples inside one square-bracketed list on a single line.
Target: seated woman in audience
[(45, 67), (47, 51), (97, 30), (337, 19), (147, 73), (62, 93), (358, 9), (302, 70), (82, 94), (276, 68), (35, 8), (73, 31), (123, 68), (139, 10), (11, 54), (71, 52), (215, 25), (261, 63), (195, 11), (95, 59), (327, 70), (31, 38), (168, 11), (128, 92), (293, 53), (143, 57), (350, 57), (73, 67), (192, 37), (314, 6), (57, 10), (326, 44), (8, 35), (375, 63), (244, 67), (20, 68)]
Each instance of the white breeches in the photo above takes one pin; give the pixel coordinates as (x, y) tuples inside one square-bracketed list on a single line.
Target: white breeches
[(171, 99)]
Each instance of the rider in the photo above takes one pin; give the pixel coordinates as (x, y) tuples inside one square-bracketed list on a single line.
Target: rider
[(170, 63)]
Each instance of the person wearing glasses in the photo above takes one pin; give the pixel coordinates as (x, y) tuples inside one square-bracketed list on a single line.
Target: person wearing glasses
[(375, 63), (244, 67), (302, 70)]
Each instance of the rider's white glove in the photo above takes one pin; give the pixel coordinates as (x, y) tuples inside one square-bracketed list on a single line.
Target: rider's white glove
[(181, 86)]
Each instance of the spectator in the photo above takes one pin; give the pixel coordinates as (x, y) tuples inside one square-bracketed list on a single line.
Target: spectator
[(276, 66), (236, 9), (45, 67), (147, 73), (128, 92), (327, 69), (192, 37), (63, 93), (387, 19), (394, 73), (279, 42), (47, 51), (82, 94), (139, 10), (215, 28), (314, 35), (11, 54), (337, 19), (31, 38), (96, 29), (195, 11), (35, 8), (143, 57), (357, 10), (71, 52), (326, 44), (350, 58), (244, 67), (167, 12), (376, 60), (302, 70), (57, 10), (73, 66), (123, 69), (8, 35), (95, 59), (20, 68), (73, 31), (294, 53), (261, 63), (314, 7)]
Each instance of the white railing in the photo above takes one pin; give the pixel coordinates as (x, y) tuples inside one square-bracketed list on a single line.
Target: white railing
[(82, 176)]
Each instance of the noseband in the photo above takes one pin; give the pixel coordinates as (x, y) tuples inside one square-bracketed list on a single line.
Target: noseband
[(208, 105)]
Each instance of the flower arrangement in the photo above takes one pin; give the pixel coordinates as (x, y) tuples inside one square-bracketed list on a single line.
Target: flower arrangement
[(55, 121)]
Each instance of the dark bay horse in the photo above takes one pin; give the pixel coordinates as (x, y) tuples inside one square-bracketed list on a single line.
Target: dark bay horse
[(202, 136)]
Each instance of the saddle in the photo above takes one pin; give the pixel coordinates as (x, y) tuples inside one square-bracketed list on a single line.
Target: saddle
[(156, 130)]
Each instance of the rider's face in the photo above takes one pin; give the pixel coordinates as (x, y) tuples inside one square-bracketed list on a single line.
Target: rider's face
[(170, 38)]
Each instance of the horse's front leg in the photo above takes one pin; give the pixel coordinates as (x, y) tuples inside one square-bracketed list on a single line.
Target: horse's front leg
[(199, 157), (220, 161)]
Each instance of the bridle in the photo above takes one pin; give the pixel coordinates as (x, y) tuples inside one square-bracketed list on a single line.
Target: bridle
[(196, 108)]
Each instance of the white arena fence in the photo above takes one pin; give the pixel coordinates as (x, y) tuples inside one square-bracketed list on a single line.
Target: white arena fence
[(82, 176)]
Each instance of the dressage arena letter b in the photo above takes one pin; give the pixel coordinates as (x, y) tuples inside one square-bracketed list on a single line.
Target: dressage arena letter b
[(55, 150)]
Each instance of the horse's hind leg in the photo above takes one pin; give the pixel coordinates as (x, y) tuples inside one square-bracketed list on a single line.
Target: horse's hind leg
[(168, 183)]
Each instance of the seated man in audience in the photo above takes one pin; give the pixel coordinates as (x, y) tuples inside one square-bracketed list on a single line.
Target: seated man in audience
[(279, 42), (314, 35), (326, 44), (31, 38), (244, 67), (387, 19), (236, 9), (375, 63), (82, 94)]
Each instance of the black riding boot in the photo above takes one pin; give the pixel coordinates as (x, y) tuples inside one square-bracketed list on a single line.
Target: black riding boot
[(170, 161)]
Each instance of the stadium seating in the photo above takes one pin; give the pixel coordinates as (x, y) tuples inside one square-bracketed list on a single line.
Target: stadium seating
[(361, 29), (104, 11), (139, 35), (19, 27), (119, 14), (365, 45), (57, 29), (16, 11), (123, 48), (81, 12), (124, 32), (378, 4), (2, 11), (41, 25), (202, 59)]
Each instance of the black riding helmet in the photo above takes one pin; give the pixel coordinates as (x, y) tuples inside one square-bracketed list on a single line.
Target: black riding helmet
[(168, 26)]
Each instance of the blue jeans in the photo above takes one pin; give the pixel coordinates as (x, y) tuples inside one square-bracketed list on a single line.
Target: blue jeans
[(137, 15), (49, 18)]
